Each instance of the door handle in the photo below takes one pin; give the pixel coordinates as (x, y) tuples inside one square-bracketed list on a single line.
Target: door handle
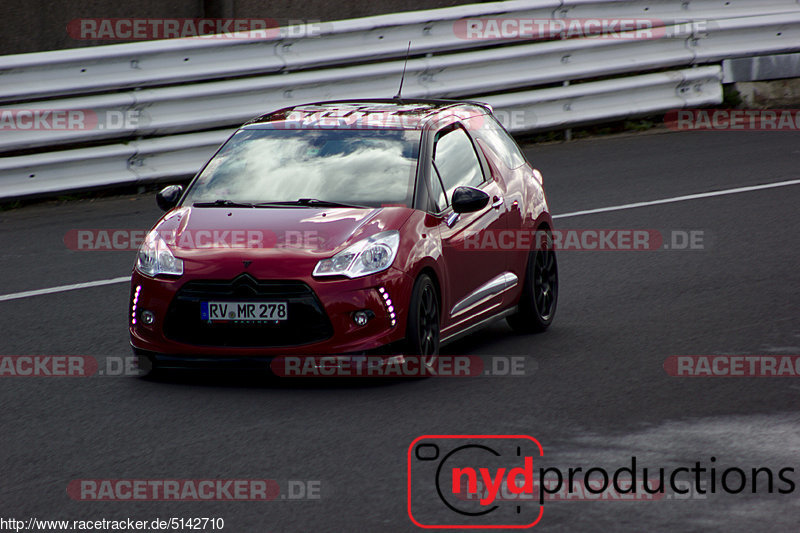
[(497, 201)]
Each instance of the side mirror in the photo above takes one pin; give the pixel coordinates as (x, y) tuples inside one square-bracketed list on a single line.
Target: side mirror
[(469, 199), (168, 197)]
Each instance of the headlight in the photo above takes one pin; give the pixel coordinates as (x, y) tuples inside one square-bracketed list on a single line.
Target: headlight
[(155, 257), (365, 257)]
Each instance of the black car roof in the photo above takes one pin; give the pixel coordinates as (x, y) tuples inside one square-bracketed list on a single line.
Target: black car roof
[(413, 111)]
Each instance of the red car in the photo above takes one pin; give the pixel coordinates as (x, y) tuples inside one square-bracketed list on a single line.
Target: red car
[(348, 227)]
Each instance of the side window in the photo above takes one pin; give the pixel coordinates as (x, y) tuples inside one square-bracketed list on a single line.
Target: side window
[(455, 161), (501, 143)]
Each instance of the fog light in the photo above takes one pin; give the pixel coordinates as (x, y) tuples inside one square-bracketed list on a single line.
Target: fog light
[(362, 317), (148, 317)]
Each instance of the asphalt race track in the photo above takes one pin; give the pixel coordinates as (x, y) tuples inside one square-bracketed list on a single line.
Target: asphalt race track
[(595, 391)]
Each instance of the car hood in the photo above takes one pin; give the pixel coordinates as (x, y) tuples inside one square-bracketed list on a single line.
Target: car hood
[(318, 232)]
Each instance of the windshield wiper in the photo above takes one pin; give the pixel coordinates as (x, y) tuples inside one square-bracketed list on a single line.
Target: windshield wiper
[(309, 202), (221, 203)]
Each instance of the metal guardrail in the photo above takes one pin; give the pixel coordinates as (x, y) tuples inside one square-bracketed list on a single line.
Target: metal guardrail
[(759, 68), (185, 108), (180, 156), (90, 70), (225, 82), (153, 63), (599, 101), (174, 157)]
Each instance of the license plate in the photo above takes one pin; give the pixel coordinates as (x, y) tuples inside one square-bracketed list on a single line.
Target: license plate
[(258, 311)]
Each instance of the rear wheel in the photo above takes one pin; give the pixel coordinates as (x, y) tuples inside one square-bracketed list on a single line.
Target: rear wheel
[(422, 330), (537, 304)]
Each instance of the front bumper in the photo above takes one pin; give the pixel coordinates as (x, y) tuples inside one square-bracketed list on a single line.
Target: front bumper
[(320, 316)]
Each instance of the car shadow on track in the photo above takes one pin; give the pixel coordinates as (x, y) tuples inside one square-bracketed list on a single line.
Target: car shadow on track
[(264, 378)]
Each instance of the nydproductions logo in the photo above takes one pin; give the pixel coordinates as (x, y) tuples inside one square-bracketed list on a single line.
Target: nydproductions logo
[(499, 481), (443, 468)]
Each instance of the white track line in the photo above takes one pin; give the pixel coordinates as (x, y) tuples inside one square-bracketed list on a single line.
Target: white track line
[(680, 198), (100, 283), (64, 288)]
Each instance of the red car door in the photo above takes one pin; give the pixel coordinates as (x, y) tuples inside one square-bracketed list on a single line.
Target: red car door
[(476, 268), (524, 197)]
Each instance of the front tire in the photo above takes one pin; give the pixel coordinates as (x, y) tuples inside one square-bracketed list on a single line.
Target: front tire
[(422, 330), (537, 304)]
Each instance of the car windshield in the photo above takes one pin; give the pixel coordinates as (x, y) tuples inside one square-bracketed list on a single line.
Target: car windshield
[(362, 167)]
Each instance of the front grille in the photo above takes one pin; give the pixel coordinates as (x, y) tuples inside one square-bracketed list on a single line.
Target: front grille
[(307, 321)]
